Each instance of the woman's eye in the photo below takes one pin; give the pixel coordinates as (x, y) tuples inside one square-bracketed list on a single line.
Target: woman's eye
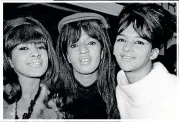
[(92, 43), (23, 48), (139, 42), (120, 40), (73, 45), (42, 47)]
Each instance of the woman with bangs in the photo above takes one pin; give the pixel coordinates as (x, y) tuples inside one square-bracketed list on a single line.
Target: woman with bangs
[(87, 90), (30, 70), (145, 90)]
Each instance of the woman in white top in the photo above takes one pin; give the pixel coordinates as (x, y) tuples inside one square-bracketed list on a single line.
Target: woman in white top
[(145, 88)]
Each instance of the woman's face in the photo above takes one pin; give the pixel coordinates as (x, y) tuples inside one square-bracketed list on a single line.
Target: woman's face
[(29, 60), (85, 54), (132, 52)]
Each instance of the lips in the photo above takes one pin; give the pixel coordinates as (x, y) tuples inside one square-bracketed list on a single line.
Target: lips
[(127, 57), (85, 60), (35, 63)]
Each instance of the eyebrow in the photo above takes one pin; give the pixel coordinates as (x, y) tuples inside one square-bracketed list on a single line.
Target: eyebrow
[(125, 35), (120, 34)]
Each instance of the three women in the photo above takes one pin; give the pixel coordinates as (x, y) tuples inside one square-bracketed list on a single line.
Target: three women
[(86, 79)]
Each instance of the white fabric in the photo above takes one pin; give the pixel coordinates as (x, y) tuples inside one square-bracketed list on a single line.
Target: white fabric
[(156, 96)]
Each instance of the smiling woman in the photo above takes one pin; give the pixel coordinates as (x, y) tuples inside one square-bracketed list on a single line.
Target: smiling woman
[(30, 68), (145, 90)]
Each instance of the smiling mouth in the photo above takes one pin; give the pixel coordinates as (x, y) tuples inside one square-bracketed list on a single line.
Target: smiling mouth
[(35, 64), (124, 57)]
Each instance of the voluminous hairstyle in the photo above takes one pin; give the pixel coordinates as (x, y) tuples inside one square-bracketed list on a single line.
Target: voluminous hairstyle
[(70, 33), (151, 21), (24, 30)]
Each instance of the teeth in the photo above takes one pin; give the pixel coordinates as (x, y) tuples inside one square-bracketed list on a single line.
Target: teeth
[(35, 64), (85, 60), (127, 57)]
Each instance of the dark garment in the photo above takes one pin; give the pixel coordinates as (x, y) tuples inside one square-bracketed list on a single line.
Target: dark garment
[(88, 105)]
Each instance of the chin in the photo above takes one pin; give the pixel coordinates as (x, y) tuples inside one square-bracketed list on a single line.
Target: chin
[(87, 71), (126, 68), (36, 74)]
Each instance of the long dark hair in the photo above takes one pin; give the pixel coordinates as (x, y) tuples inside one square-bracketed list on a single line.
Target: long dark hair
[(25, 30), (105, 81)]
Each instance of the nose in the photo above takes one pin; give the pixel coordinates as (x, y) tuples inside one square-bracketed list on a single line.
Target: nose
[(83, 49), (35, 53), (128, 47)]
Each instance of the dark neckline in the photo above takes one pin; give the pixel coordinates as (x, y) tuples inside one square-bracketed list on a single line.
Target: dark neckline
[(80, 86)]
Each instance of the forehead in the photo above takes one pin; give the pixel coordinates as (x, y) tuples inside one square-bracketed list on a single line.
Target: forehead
[(33, 43), (83, 33), (82, 36), (129, 32)]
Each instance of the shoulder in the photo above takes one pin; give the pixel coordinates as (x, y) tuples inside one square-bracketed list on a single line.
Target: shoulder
[(160, 70), (47, 113), (167, 80), (8, 110), (42, 112)]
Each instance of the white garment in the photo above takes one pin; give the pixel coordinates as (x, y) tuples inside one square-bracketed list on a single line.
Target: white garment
[(156, 96)]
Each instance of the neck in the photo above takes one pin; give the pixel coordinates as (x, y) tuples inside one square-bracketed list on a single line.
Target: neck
[(136, 75), (29, 87), (86, 79)]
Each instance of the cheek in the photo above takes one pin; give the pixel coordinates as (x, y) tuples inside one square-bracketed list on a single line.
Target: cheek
[(116, 48), (144, 53), (44, 53), (18, 63), (46, 59), (72, 56), (96, 52), (18, 59)]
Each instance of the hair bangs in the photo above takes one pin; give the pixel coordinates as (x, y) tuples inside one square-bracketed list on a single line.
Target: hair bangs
[(142, 30), (93, 30), (138, 23), (73, 35), (24, 34)]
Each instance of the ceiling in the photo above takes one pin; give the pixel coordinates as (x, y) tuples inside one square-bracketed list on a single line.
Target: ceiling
[(49, 14)]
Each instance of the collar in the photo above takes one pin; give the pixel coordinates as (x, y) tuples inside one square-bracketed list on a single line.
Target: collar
[(142, 91)]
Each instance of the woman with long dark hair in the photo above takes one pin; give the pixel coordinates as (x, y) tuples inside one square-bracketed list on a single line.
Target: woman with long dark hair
[(30, 70), (84, 53)]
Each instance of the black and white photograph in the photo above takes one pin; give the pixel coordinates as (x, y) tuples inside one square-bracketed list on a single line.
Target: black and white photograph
[(90, 60)]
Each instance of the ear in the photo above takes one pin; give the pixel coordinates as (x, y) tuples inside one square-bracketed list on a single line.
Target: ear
[(101, 54), (10, 62), (68, 58), (154, 53)]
